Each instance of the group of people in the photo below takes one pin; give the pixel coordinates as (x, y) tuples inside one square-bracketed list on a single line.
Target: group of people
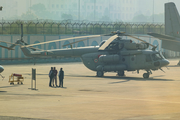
[(53, 77)]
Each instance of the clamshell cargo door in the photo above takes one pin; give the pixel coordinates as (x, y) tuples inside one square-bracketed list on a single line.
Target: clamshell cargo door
[(140, 61), (133, 62)]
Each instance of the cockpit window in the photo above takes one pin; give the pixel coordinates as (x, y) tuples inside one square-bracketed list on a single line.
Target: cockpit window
[(113, 46), (156, 57)]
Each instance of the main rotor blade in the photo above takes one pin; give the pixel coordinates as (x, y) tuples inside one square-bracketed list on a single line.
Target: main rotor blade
[(103, 47), (160, 38), (78, 41), (62, 40), (141, 40), (6, 47), (14, 44)]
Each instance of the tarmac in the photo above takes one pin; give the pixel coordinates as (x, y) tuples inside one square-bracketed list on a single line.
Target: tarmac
[(87, 97)]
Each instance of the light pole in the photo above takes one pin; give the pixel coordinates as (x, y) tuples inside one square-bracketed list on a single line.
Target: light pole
[(153, 11), (79, 11), (94, 9)]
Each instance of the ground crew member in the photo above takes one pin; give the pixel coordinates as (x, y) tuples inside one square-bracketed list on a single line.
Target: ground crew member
[(51, 76), (55, 77), (61, 77)]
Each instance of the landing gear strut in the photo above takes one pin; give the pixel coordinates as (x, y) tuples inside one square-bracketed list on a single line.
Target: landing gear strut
[(100, 73)]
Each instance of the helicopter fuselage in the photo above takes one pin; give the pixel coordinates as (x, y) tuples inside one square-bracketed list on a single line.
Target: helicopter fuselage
[(126, 60)]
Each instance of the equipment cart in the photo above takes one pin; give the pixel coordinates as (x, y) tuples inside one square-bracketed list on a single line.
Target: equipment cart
[(16, 78)]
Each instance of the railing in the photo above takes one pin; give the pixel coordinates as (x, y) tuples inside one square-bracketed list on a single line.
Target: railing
[(77, 27)]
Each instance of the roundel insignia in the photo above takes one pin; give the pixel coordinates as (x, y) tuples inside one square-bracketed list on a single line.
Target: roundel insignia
[(95, 60)]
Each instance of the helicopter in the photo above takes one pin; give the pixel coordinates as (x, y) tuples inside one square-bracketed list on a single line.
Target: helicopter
[(113, 55)]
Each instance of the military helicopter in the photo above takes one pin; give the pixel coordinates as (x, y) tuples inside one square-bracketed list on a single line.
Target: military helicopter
[(114, 55)]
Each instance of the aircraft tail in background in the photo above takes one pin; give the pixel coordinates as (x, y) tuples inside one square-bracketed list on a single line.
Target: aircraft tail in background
[(171, 39), (172, 20)]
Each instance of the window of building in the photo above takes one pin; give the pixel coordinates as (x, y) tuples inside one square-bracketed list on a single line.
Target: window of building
[(52, 5)]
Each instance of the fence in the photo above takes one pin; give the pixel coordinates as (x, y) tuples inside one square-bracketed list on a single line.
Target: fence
[(77, 27)]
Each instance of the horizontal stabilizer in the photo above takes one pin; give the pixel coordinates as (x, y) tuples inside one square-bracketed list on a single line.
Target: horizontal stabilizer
[(161, 36), (168, 42)]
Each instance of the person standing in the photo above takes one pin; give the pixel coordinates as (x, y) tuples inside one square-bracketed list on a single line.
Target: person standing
[(61, 77), (51, 76), (55, 77)]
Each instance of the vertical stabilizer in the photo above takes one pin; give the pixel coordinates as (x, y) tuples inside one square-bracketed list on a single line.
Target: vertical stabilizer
[(172, 20)]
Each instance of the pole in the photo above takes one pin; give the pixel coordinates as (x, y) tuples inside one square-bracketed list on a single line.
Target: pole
[(30, 6), (153, 11), (79, 11), (94, 9)]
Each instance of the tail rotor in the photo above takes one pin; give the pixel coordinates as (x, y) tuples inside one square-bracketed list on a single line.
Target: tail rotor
[(21, 41)]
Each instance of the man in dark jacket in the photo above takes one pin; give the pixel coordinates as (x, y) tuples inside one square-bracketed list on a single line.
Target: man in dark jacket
[(55, 77), (51, 75), (61, 77)]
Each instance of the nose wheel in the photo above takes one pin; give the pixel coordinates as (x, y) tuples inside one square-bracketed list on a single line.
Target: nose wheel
[(146, 75)]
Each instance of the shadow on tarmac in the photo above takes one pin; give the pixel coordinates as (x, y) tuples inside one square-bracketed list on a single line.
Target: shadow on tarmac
[(3, 91), (34, 94), (126, 79), (9, 86), (18, 118), (59, 87)]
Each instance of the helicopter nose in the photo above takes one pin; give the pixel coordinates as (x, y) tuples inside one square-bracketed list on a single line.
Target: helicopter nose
[(164, 62)]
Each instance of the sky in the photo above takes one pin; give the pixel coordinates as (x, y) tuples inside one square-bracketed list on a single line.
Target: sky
[(159, 5), (145, 7)]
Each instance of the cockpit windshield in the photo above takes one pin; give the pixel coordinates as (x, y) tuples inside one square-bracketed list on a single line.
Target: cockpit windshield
[(156, 57)]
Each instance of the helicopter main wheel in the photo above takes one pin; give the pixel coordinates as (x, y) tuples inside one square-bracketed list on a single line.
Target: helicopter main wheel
[(120, 73), (100, 73), (146, 75)]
